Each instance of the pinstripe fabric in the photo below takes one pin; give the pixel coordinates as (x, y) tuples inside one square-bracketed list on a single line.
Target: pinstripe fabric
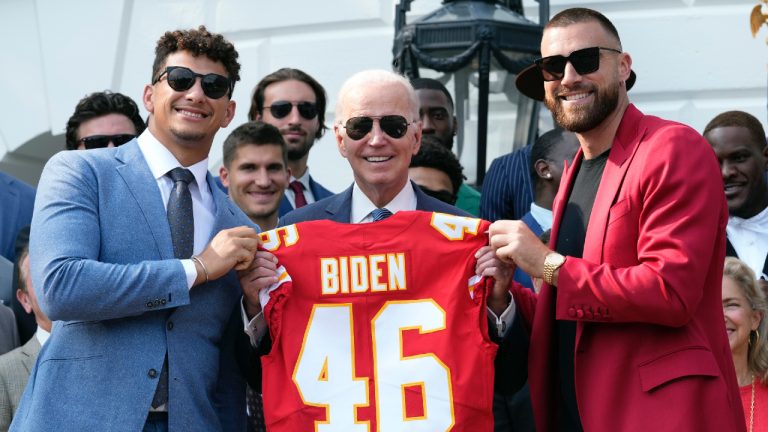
[(507, 188)]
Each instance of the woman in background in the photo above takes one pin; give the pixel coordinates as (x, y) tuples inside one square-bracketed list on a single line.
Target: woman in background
[(745, 307)]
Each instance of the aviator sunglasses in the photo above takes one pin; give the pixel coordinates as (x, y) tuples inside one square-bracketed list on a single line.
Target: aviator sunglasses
[(182, 79), (280, 109), (393, 125), (585, 61), (101, 141)]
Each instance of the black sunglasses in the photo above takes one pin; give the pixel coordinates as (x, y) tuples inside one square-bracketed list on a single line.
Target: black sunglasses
[(182, 79), (393, 125), (101, 141), (280, 109), (585, 61)]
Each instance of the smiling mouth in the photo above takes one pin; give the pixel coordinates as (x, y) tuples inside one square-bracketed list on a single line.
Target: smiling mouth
[(377, 159), (191, 114), (575, 96)]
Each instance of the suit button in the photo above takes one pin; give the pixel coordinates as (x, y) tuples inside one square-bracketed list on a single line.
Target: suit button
[(579, 313), (162, 302), (149, 304), (170, 325), (588, 314), (152, 373), (571, 312)]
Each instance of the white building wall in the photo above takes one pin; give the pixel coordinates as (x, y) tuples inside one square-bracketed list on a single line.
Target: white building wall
[(694, 58)]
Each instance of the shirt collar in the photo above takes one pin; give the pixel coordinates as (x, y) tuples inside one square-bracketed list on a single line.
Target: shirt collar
[(362, 206), (161, 160), (542, 216), (304, 180), (42, 335), (758, 221)]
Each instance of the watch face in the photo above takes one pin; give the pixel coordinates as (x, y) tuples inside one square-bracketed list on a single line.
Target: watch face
[(555, 259)]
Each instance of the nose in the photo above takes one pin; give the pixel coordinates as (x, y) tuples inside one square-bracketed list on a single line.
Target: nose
[(378, 137), (570, 76), (261, 178), (294, 117), (426, 124), (727, 169), (195, 93)]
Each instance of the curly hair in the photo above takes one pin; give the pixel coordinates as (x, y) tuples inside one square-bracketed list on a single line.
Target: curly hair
[(432, 154), (286, 74), (744, 277), (198, 42), (97, 105)]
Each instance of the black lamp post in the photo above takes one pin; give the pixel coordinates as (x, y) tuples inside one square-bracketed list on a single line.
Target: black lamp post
[(482, 42)]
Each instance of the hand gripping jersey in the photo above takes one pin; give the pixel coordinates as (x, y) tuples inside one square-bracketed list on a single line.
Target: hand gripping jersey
[(379, 327)]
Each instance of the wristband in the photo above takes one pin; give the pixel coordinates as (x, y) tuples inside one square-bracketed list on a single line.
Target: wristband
[(199, 260)]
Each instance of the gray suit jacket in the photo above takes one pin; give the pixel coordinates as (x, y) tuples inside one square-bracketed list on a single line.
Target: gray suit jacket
[(9, 332), (15, 367), (103, 270)]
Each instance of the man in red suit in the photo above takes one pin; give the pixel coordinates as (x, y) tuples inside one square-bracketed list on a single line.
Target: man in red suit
[(627, 333)]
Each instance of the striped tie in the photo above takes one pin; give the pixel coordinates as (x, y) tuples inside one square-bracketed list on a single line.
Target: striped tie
[(380, 214)]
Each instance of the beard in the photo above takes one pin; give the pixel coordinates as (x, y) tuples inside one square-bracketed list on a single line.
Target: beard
[(585, 118)]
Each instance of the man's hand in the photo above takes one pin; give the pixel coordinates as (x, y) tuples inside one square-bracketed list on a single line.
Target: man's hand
[(230, 248), (260, 275), (515, 243), (490, 265)]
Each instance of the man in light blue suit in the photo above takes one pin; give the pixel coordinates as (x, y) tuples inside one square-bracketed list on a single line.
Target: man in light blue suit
[(133, 252)]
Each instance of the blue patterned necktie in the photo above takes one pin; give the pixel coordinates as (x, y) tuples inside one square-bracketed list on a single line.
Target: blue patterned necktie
[(182, 226), (380, 214)]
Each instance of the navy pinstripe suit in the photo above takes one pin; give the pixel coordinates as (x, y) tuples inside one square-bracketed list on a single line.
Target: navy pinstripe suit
[(507, 189)]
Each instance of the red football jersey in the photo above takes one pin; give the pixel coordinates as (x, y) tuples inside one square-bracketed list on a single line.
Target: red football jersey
[(379, 327)]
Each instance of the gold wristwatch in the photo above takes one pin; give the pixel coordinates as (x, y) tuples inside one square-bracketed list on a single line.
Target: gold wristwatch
[(552, 262)]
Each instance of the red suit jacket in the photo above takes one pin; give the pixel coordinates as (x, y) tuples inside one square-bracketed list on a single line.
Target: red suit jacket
[(651, 349)]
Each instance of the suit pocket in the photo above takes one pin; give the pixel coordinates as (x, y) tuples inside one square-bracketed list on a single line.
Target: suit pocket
[(689, 361), (618, 210)]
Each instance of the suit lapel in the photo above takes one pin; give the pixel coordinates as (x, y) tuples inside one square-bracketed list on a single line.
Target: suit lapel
[(624, 145), (29, 353), (143, 186), (225, 210), (339, 207)]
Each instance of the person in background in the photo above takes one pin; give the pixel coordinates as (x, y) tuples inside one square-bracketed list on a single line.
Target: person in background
[(436, 170), (255, 171), (103, 119), (16, 365), (437, 119), (295, 103), (738, 139), (548, 155), (745, 309)]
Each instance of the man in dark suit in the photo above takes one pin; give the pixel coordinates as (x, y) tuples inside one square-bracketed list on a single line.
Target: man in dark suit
[(18, 198), (738, 139), (133, 251), (378, 131), (294, 102)]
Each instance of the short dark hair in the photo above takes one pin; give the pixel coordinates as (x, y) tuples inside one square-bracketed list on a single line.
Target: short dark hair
[(431, 84), (100, 104), (253, 133), (433, 154), (581, 15), (198, 42), (544, 147), (286, 74), (739, 119)]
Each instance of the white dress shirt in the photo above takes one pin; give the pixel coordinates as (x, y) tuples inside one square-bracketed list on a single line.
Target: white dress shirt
[(542, 216), (749, 238), (42, 335), (160, 161)]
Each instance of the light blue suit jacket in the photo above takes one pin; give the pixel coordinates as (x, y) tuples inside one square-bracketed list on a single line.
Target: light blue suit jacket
[(104, 271)]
